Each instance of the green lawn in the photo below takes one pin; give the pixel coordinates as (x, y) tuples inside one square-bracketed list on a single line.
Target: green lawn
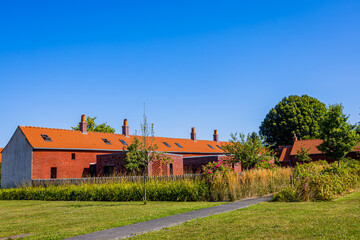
[(317, 220), (57, 220)]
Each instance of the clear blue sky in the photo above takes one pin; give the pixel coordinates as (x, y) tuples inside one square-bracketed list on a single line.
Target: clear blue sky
[(213, 65)]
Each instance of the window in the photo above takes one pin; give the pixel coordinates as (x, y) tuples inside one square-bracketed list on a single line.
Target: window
[(53, 172), (108, 171), (123, 142), (73, 156), (219, 147), (171, 169), (106, 141), (46, 138), (166, 144), (177, 144), (211, 146)]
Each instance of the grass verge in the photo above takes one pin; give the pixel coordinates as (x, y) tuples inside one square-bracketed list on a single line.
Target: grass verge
[(339, 219), (58, 220)]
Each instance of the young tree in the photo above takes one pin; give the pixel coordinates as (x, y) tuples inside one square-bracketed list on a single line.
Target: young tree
[(303, 155), (143, 151), (293, 114), (339, 137), (93, 127), (248, 151)]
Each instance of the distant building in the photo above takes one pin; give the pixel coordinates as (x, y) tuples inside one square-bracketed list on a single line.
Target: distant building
[(288, 154), (44, 153)]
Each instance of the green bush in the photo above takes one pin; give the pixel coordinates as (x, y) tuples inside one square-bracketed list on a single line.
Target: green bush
[(320, 181)]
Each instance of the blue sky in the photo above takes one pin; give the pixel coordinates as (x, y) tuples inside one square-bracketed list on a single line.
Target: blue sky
[(213, 65)]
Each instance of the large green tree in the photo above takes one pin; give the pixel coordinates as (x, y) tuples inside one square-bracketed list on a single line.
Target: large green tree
[(294, 114), (339, 137), (246, 150), (93, 127)]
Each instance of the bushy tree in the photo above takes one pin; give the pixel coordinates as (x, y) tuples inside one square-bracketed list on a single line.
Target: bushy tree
[(247, 150), (339, 137), (93, 127), (293, 114), (134, 158), (303, 155)]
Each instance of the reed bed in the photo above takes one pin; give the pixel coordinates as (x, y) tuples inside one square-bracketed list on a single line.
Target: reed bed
[(252, 183)]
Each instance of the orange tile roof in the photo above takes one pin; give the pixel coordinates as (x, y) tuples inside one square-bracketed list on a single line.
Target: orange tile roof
[(285, 153), (311, 146), (0, 154), (71, 139)]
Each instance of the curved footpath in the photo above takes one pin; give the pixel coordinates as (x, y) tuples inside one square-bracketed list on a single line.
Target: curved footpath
[(169, 221)]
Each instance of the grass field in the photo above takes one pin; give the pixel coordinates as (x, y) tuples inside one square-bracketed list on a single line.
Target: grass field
[(339, 219), (57, 220)]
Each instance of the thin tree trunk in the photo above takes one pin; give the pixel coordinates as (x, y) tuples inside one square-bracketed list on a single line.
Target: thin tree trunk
[(145, 187)]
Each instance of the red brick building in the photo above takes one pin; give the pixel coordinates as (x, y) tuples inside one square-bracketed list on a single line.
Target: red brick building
[(0, 153), (288, 154), (43, 153)]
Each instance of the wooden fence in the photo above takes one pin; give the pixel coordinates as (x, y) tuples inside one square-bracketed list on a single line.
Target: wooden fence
[(99, 180)]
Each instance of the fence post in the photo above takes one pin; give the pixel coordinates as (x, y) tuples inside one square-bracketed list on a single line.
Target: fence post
[(291, 181)]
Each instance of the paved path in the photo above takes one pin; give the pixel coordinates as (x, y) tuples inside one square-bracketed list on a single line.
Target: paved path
[(157, 224)]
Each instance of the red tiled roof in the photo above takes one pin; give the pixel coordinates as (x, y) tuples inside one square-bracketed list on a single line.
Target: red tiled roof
[(72, 139), (285, 153), (311, 146)]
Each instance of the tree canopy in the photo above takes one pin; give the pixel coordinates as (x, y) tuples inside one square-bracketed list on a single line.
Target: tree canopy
[(339, 137), (93, 127), (293, 114), (247, 150)]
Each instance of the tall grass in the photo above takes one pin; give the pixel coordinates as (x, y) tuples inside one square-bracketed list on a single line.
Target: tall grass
[(231, 187), (252, 183)]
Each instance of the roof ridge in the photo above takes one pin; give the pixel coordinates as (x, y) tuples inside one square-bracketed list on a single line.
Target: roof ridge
[(117, 134)]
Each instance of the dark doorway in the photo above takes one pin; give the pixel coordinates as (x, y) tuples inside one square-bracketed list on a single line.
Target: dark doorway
[(53, 173), (108, 171), (93, 170), (171, 169)]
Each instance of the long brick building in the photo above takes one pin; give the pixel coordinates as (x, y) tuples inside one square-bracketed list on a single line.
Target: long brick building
[(288, 154), (43, 153)]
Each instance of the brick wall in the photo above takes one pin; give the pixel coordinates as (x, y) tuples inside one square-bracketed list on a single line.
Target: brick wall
[(44, 160), (116, 160), (194, 164), (156, 168)]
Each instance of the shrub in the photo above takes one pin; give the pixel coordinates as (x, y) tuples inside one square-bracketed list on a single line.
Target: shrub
[(321, 181), (265, 164)]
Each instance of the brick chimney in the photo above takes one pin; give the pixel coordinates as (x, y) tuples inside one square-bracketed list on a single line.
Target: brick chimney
[(125, 129), (83, 124), (193, 134), (295, 138), (216, 136)]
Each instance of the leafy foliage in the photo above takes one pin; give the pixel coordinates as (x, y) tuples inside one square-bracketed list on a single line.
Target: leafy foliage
[(135, 159), (213, 169), (265, 164), (248, 151), (93, 127), (321, 181), (303, 155), (339, 137), (293, 114)]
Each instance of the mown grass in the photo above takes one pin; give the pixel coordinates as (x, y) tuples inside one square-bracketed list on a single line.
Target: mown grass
[(58, 220), (339, 219)]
